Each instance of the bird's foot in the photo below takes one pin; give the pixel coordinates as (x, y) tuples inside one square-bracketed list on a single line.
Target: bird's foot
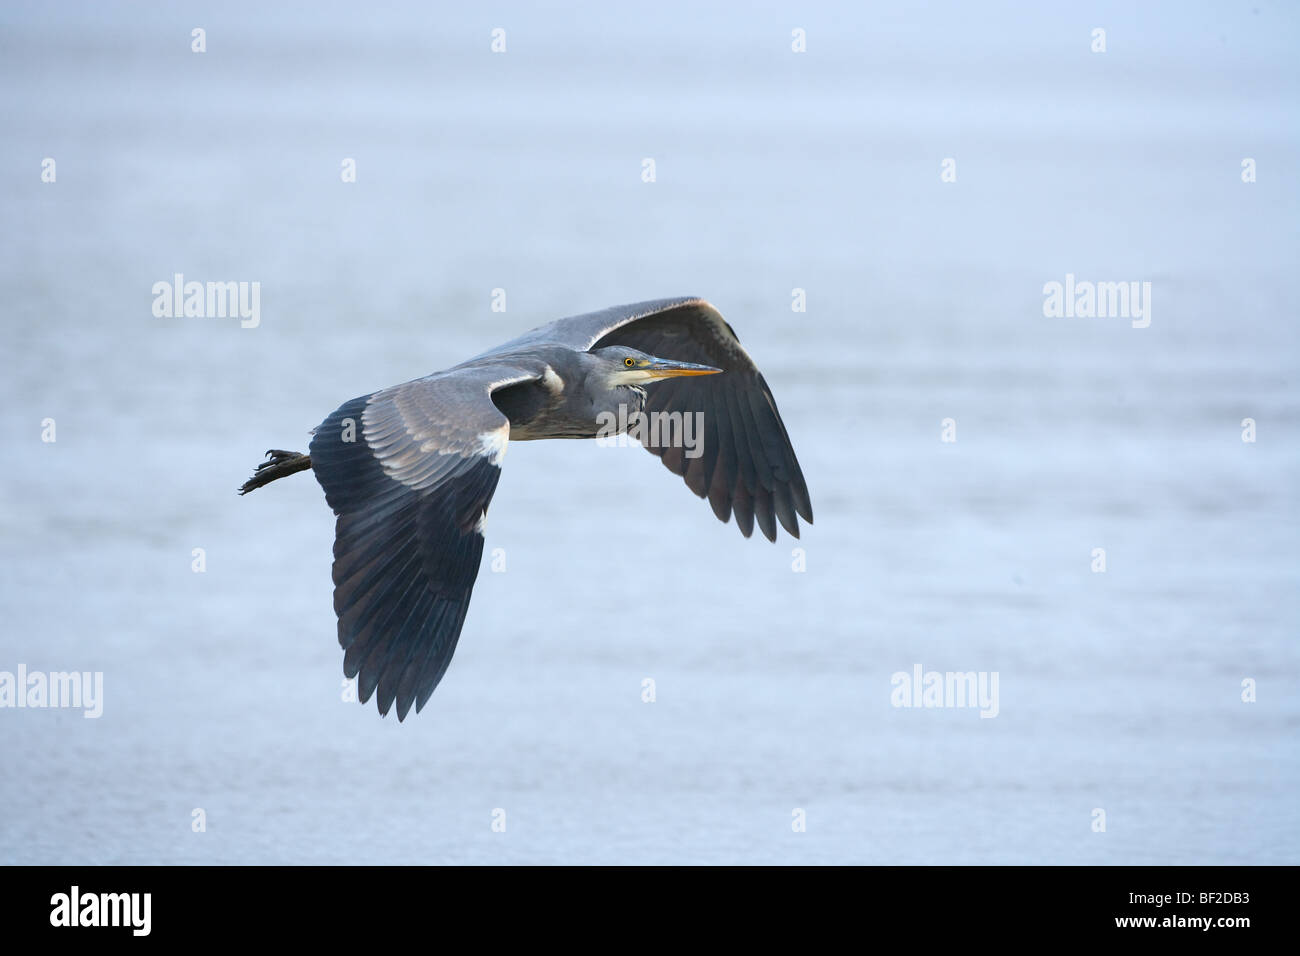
[(275, 456), (278, 464)]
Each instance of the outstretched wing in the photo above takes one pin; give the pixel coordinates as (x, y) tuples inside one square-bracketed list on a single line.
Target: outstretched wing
[(410, 471), (747, 465)]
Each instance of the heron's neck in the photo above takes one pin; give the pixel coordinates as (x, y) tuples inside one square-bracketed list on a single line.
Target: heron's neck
[(623, 401)]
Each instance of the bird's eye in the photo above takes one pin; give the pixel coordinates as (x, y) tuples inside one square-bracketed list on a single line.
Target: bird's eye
[(629, 362)]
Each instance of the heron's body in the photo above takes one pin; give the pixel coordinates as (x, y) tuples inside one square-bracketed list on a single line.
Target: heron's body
[(546, 405), (410, 470)]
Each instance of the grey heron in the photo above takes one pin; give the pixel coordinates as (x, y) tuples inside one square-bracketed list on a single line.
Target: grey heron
[(409, 470)]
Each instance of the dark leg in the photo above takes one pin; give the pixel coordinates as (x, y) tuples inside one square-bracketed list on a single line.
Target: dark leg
[(278, 464)]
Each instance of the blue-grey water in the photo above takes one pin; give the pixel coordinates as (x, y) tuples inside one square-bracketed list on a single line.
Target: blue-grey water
[(1119, 691)]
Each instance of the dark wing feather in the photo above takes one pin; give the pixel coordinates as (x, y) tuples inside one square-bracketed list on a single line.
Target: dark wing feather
[(748, 467), (409, 471)]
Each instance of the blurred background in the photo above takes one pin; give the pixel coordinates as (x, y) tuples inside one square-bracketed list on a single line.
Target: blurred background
[(774, 171)]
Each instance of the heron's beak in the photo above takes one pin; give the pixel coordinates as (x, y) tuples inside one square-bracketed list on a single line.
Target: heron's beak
[(663, 368)]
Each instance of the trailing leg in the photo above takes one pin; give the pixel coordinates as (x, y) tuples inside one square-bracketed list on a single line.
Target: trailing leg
[(278, 464)]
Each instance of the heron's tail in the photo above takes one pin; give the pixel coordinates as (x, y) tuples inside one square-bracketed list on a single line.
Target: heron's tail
[(278, 464)]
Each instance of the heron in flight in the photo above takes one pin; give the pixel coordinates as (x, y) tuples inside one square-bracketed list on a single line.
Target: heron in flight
[(409, 470)]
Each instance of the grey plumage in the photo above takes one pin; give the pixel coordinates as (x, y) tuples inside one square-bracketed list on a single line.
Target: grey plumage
[(410, 470)]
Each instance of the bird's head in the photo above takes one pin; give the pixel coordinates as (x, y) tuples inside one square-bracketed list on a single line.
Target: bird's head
[(626, 366)]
